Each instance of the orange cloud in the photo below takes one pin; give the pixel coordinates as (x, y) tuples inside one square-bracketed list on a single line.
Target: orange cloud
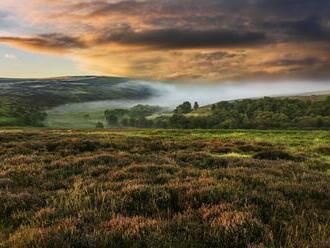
[(52, 43), (216, 40)]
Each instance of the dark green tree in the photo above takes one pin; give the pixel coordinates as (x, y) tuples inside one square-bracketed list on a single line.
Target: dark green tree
[(184, 108), (196, 106), (179, 121), (99, 125)]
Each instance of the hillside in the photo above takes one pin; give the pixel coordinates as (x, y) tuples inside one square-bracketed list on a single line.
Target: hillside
[(31, 95), (308, 96), (259, 113), (80, 102), (312, 96), (57, 91), (262, 113)]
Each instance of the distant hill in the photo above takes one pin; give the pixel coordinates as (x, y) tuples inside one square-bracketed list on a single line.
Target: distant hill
[(22, 97), (317, 96), (76, 102), (312, 96), (56, 91)]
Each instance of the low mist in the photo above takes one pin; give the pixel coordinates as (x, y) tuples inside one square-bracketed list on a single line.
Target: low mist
[(170, 95)]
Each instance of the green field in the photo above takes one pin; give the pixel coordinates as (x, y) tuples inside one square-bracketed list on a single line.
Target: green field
[(4, 120), (164, 188), (75, 120)]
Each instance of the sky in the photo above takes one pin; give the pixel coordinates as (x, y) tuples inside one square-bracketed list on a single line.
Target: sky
[(213, 40)]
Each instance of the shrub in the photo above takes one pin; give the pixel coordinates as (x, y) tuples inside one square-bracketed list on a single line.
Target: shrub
[(275, 155)]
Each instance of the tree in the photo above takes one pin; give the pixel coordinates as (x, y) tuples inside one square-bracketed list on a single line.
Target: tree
[(213, 107), (198, 122), (262, 113), (30, 115), (99, 125), (184, 108), (196, 106), (125, 121), (161, 122), (325, 108), (179, 121), (144, 110), (112, 119), (143, 122), (113, 116)]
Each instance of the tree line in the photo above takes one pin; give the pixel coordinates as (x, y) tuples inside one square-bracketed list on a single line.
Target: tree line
[(23, 114), (265, 113)]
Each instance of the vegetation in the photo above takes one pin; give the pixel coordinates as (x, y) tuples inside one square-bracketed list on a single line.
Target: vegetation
[(196, 106), (99, 125), (21, 115), (134, 117), (24, 101), (184, 108), (272, 113), (266, 113), (164, 188)]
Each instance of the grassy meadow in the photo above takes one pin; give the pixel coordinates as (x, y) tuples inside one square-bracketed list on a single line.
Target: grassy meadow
[(164, 188), (75, 120)]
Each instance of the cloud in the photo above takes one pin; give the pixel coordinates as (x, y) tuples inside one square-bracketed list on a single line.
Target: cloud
[(286, 62), (170, 39), (293, 8), (181, 39), (10, 56), (45, 42), (310, 29)]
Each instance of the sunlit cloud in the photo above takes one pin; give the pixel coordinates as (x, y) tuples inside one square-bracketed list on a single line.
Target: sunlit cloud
[(216, 40)]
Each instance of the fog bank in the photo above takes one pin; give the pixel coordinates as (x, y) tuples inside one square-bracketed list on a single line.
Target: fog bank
[(171, 95)]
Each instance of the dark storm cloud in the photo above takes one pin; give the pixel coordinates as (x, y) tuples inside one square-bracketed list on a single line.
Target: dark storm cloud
[(308, 29), (246, 20), (289, 8), (293, 8), (185, 38), (154, 39)]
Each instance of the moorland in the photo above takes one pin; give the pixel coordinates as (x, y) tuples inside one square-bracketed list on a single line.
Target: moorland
[(164, 188), (241, 173)]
